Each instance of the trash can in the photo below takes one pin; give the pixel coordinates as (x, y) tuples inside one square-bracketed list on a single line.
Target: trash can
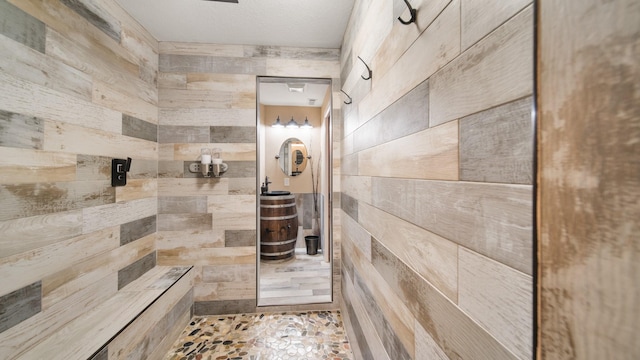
[(312, 244)]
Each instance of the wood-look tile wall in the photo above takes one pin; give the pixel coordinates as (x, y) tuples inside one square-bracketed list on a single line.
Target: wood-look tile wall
[(437, 154), (207, 98), (589, 179), (77, 88)]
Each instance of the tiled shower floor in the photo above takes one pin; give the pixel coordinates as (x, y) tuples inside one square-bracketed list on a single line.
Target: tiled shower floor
[(264, 336)]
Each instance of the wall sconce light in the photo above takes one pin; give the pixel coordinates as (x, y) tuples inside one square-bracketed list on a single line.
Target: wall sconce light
[(277, 124), (292, 124), (306, 124)]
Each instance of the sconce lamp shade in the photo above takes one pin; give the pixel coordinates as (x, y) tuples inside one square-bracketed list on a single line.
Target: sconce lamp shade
[(292, 124), (306, 124), (277, 124)]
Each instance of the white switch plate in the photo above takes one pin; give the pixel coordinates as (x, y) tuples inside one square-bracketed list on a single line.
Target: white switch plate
[(286, 181)]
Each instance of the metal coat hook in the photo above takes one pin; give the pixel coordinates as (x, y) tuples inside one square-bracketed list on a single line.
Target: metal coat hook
[(413, 14), (350, 100), (368, 69)]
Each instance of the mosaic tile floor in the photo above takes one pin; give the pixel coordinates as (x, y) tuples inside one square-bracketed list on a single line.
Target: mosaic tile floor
[(266, 336)]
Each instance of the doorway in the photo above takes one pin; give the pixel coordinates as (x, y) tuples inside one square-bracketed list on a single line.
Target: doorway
[(294, 202)]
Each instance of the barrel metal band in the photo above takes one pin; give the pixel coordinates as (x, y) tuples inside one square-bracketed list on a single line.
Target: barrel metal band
[(279, 242), (278, 253), (286, 217), (277, 206)]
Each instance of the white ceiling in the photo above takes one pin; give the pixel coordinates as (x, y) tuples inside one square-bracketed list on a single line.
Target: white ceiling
[(296, 23)]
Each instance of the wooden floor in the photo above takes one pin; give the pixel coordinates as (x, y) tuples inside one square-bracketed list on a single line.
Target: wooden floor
[(305, 279)]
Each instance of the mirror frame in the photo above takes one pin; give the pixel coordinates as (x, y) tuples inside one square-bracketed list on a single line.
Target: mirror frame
[(287, 159), (328, 162)]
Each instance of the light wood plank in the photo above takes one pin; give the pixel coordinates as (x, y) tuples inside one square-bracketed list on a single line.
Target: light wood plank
[(60, 287), (193, 186), (236, 83), (302, 68), (494, 220), (233, 212), (588, 208), (454, 331), (358, 187), (125, 102), (498, 298), (479, 19), (502, 71), (209, 257), (426, 347), (428, 154), (35, 67), (25, 268), (401, 37), (357, 235), (100, 217), (172, 81), (207, 99), (28, 233), (25, 200), (137, 189), (438, 44), (15, 342), (184, 48), (228, 151), (238, 290), (400, 318), (26, 98), (431, 256), (96, 15), (201, 239), (95, 142), (167, 342), (207, 117), (126, 344), (33, 166)]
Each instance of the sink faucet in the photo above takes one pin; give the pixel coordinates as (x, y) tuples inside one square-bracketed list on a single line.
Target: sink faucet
[(265, 188)]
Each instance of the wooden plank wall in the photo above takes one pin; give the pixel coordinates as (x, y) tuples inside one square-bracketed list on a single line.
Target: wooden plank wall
[(73, 96), (207, 98), (589, 161), (437, 155)]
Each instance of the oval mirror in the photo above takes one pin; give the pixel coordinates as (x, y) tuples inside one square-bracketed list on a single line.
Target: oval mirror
[(293, 157)]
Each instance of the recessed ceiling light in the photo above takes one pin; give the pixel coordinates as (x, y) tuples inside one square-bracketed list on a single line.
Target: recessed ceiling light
[(296, 87)]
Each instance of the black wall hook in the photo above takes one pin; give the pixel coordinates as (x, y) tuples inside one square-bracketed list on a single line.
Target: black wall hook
[(368, 69), (413, 14), (350, 100)]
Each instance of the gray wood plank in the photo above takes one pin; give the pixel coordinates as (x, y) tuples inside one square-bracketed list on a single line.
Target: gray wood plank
[(21, 131), (211, 64), (138, 128), (20, 305), (235, 238), (390, 340), (133, 271), (406, 116), (361, 339), (492, 219), (95, 16), (224, 307), (184, 134), (233, 134), (137, 229), (182, 204), (496, 145), (284, 52), (458, 335), (349, 205), (176, 222), (21, 27)]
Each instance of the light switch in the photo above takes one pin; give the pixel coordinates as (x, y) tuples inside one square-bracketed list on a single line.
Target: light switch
[(286, 181)]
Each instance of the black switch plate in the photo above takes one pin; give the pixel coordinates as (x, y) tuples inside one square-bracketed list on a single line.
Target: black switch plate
[(119, 169)]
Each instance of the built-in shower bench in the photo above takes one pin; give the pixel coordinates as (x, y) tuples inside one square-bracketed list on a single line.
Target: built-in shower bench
[(122, 326)]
